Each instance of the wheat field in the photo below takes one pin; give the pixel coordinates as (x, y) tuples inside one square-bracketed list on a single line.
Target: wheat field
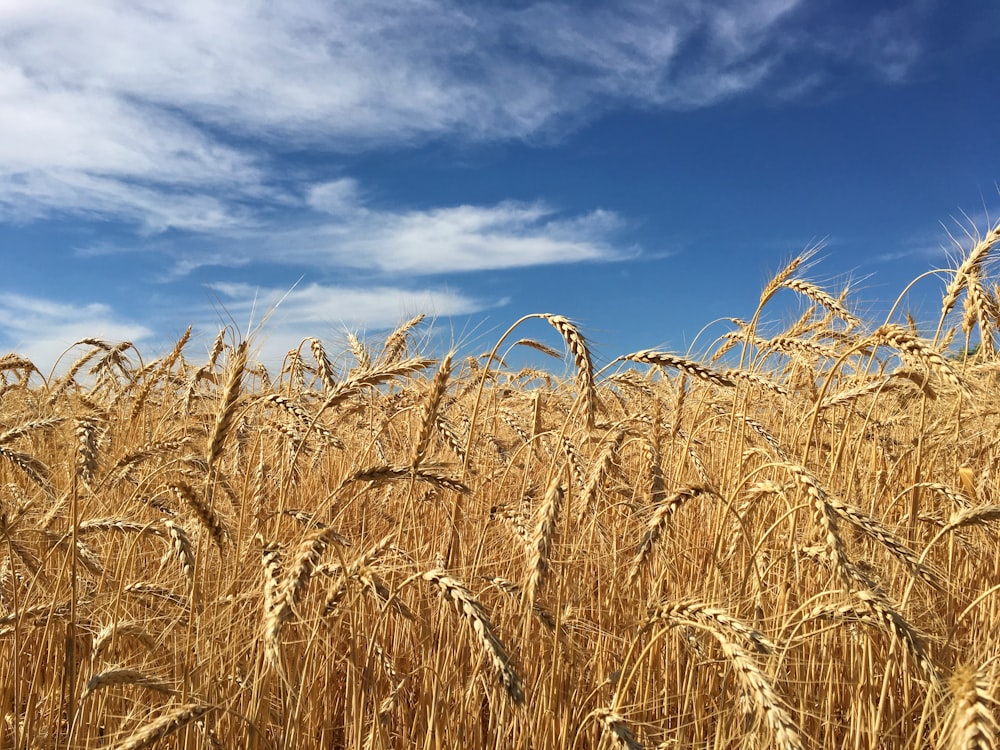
[(789, 542)]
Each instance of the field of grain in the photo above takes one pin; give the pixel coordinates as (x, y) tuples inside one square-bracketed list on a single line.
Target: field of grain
[(790, 542)]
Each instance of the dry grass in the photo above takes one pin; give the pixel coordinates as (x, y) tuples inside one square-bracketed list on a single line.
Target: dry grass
[(789, 541)]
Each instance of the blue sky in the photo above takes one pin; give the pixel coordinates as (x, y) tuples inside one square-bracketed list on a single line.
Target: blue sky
[(640, 167)]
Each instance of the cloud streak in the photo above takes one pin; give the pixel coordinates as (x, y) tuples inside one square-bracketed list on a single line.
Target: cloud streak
[(443, 240), (327, 311), (335, 230), (42, 329), (376, 307)]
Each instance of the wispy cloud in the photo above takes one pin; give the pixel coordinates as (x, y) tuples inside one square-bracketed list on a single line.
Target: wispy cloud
[(327, 311), (172, 120), (450, 239), (375, 307), (35, 194), (334, 229), (42, 329), (946, 247)]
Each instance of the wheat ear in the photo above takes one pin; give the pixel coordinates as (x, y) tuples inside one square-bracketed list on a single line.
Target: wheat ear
[(613, 724), (662, 513), (293, 588), (430, 411), (206, 516), (581, 357), (475, 617), (973, 725), (826, 519), (816, 294), (224, 419), (541, 540), (112, 677), (684, 365), (911, 346), (756, 685), (382, 473), (164, 726), (968, 267)]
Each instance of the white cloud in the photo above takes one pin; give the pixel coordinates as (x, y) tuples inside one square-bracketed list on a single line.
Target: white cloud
[(109, 106), (31, 195), (335, 197), (446, 240), (336, 230), (326, 311), (312, 305), (42, 329)]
